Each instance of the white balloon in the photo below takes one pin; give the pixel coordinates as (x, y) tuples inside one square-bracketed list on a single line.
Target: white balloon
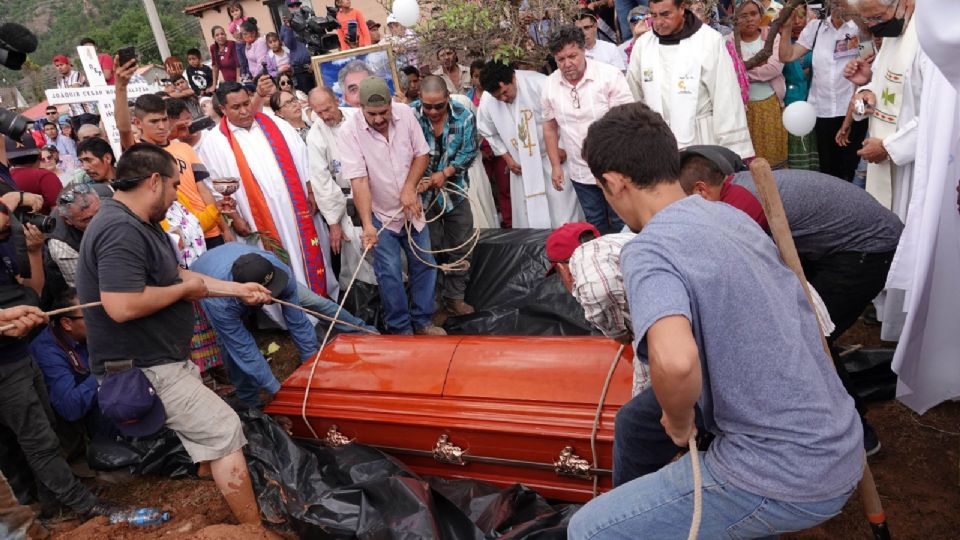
[(407, 12), (799, 118)]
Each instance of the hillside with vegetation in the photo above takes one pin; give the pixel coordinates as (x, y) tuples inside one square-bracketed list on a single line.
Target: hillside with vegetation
[(60, 24)]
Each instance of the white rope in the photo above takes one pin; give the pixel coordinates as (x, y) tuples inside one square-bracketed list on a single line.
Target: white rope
[(692, 443), (697, 489), (462, 264), (336, 317), (596, 417)]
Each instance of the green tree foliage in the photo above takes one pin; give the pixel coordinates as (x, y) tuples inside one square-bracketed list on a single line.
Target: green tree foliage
[(60, 24)]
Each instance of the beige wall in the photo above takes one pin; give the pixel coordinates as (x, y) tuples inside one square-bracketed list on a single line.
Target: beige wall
[(255, 8)]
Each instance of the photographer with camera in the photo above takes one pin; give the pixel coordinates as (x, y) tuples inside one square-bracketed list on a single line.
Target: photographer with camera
[(299, 55), (27, 174), (24, 408)]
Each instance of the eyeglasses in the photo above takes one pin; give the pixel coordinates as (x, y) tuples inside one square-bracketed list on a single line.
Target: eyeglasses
[(876, 19), (68, 197), (433, 106), (575, 96), (288, 102), (637, 18)]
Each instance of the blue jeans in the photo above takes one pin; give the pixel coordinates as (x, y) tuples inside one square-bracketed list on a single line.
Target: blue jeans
[(640, 445), (660, 505), (398, 315), (314, 302), (860, 177), (596, 209), (623, 7)]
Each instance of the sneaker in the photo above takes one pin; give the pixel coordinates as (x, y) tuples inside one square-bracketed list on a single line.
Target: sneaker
[(458, 308), (430, 330), (102, 508), (871, 443)]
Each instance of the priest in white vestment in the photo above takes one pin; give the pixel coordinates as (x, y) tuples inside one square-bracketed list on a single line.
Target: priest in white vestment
[(258, 157), (511, 119), (682, 70), (890, 94), (927, 263), (890, 91)]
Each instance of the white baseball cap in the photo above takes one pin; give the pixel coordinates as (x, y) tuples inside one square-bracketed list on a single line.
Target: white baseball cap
[(392, 19)]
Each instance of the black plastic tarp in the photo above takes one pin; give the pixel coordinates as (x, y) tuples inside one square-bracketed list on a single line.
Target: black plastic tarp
[(508, 287), (354, 491)]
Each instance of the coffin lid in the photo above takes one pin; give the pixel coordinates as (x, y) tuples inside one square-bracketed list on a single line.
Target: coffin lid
[(547, 369)]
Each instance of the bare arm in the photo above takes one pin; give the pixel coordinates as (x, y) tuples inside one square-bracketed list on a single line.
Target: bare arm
[(120, 107), (35, 255), (551, 137), (127, 306), (675, 374)]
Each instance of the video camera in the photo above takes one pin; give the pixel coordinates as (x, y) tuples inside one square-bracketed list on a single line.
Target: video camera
[(317, 33), (15, 43)]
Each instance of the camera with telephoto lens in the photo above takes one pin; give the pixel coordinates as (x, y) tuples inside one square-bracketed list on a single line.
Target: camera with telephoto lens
[(13, 125), (16, 42), (317, 33), (40, 221)]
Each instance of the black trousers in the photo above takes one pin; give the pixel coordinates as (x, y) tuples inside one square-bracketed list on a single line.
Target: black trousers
[(449, 231), (836, 160), (24, 409), (847, 282)]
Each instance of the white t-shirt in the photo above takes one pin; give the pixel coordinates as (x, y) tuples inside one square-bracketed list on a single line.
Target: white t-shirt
[(608, 53), (830, 92)]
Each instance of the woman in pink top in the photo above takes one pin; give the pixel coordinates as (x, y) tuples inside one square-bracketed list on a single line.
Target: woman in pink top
[(255, 47), (352, 25)]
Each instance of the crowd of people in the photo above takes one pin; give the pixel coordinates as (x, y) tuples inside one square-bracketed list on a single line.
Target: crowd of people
[(242, 183)]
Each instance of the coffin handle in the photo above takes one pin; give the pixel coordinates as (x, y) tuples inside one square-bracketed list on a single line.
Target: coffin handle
[(335, 439), (572, 465), (445, 451)]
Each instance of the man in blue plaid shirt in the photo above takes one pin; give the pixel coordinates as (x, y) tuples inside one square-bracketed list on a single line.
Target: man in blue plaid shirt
[(451, 133)]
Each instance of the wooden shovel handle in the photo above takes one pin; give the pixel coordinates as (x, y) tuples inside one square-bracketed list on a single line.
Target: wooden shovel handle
[(777, 219)]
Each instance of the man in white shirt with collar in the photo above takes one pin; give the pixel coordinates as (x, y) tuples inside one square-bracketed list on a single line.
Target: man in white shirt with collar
[(596, 49), (577, 94), (327, 187)]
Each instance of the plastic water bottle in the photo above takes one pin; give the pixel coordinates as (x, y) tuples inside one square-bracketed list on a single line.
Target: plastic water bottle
[(141, 517)]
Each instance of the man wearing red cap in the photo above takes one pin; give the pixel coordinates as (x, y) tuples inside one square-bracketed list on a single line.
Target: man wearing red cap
[(67, 77)]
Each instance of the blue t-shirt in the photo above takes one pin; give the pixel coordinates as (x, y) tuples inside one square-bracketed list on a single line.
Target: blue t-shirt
[(785, 427)]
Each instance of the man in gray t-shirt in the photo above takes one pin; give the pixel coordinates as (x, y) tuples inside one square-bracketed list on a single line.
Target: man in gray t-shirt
[(726, 326)]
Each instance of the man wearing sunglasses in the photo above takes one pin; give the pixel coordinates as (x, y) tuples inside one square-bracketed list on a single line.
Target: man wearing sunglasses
[(598, 49), (639, 25), (579, 93), (76, 206), (451, 133)]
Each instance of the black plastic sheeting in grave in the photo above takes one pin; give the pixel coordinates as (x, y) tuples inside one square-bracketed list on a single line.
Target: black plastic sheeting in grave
[(354, 491), (508, 287)]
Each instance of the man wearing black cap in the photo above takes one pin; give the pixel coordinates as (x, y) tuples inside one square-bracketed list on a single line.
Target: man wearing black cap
[(385, 192), (139, 339), (242, 263)]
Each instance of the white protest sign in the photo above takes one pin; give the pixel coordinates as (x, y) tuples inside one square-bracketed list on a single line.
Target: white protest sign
[(104, 96), (91, 65)]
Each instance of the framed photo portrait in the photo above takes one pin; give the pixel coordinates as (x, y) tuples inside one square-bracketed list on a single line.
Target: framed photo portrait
[(335, 71)]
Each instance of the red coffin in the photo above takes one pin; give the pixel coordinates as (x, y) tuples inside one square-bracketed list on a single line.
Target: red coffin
[(500, 409)]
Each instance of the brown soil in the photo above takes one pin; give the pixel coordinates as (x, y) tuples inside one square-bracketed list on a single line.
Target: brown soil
[(916, 472)]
